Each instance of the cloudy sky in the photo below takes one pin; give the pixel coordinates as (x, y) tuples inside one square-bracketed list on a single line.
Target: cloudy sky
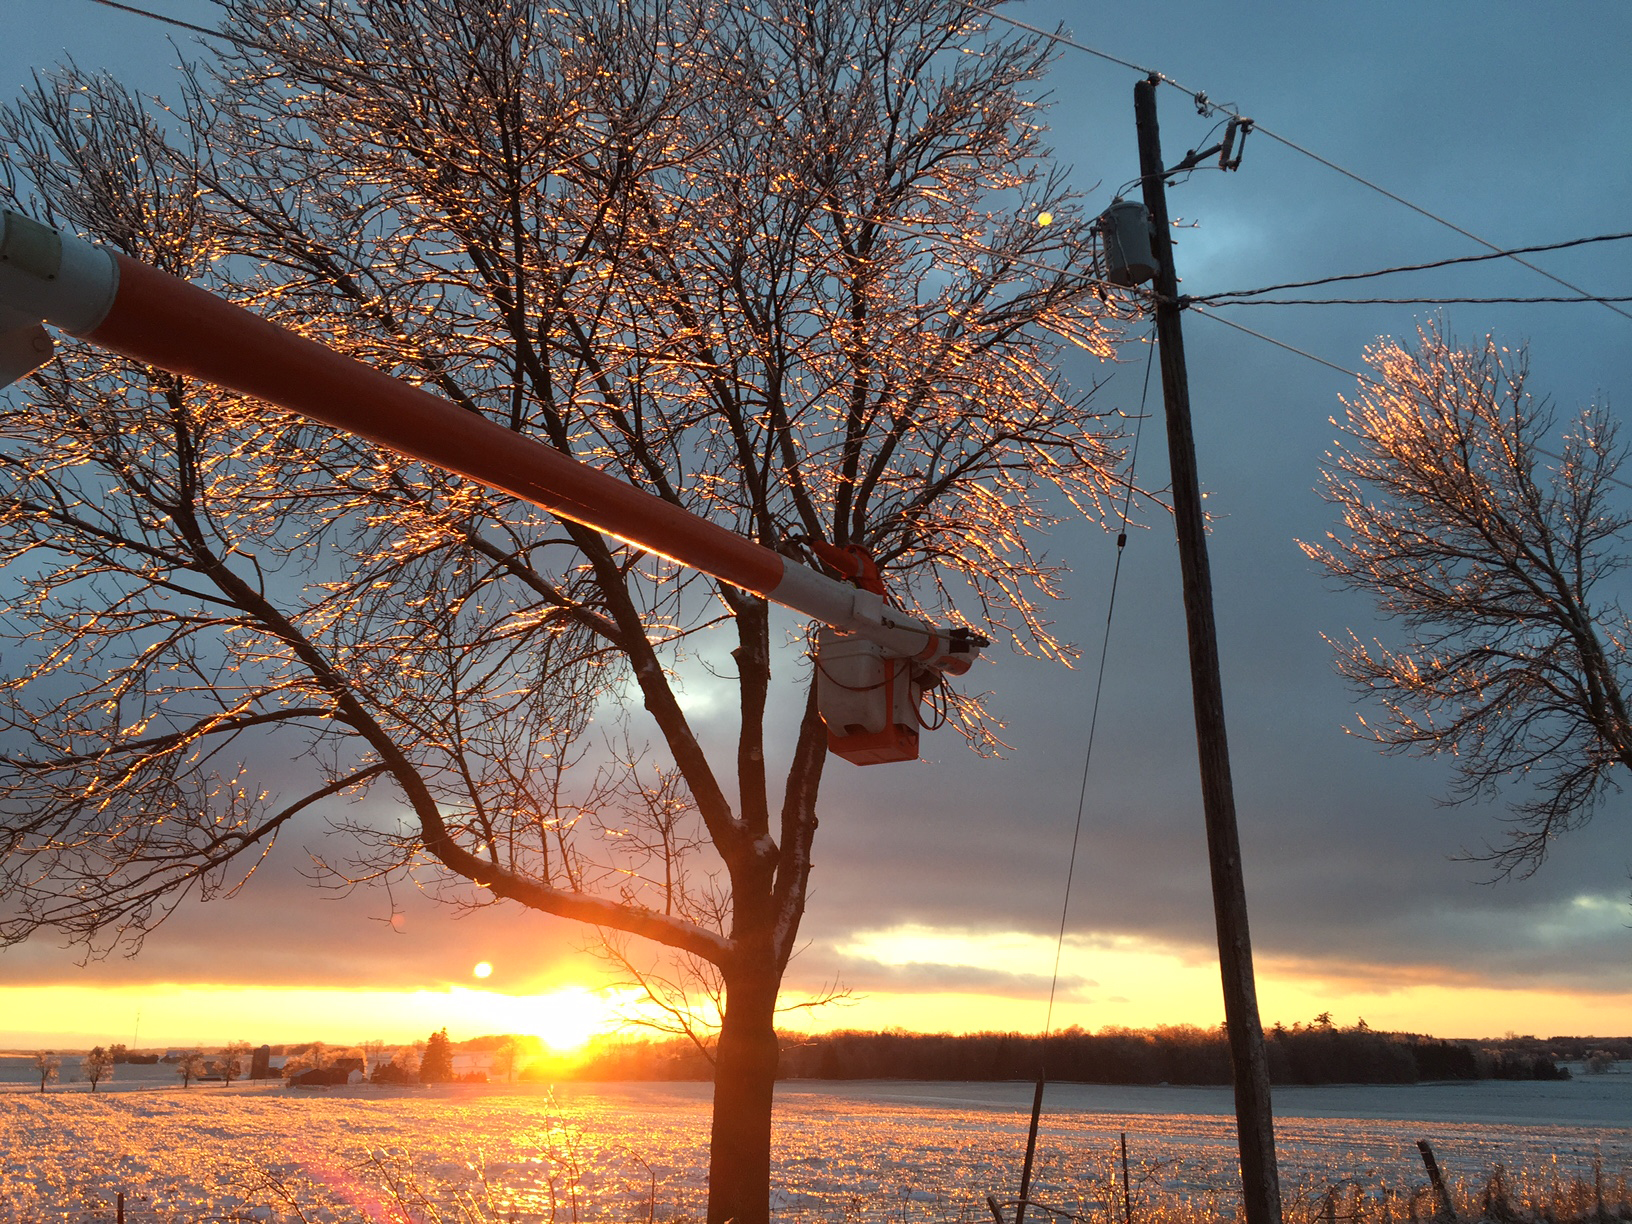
[(938, 886)]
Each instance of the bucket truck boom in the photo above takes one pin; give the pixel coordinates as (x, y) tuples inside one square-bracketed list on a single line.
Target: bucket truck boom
[(130, 308)]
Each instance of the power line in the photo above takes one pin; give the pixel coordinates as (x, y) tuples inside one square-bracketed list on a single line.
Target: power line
[(1364, 378), (1075, 46), (1203, 103), (1405, 301), (1099, 683), (1291, 348), (1417, 208), (1082, 794), (1419, 267), (243, 44), (175, 21), (969, 247), (1215, 298)]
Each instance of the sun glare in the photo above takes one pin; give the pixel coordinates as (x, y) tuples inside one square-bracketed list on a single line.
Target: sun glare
[(566, 1019), (483, 970)]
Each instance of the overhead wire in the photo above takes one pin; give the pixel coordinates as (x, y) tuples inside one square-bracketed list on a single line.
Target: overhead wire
[(1203, 102), (243, 44), (1226, 298), (1417, 208), (1291, 348), (1366, 379), (1417, 267), (1082, 793), (1064, 41), (1408, 301), (1217, 298), (1198, 303), (1495, 252), (176, 21)]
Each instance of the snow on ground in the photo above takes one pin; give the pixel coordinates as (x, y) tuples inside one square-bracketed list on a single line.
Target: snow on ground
[(844, 1152)]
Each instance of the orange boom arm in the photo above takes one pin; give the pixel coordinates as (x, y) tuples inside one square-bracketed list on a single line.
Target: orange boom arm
[(125, 306)]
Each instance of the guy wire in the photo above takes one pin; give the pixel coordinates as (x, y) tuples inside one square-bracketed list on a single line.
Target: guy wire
[(1082, 794), (1099, 683)]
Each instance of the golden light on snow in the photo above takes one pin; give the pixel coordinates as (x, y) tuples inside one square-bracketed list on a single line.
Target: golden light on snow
[(483, 970)]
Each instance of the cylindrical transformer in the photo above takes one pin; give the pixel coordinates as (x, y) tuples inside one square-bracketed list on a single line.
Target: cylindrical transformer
[(1125, 229)]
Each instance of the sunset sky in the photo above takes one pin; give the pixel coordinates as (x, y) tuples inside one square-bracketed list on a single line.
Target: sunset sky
[(937, 888)]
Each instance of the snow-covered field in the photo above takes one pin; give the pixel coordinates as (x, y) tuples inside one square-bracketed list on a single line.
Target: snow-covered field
[(871, 1151)]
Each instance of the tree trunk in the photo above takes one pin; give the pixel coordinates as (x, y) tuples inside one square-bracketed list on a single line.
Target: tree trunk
[(739, 1169)]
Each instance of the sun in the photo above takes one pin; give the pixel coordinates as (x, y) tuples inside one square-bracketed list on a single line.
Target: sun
[(568, 1018), (483, 969)]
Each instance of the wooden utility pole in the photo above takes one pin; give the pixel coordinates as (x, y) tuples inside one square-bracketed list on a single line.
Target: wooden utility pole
[(1260, 1183)]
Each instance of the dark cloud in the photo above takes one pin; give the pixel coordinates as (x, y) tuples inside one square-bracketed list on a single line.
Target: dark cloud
[(1509, 120)]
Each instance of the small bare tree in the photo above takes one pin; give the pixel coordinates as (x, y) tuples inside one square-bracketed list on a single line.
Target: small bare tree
[(506, 1057), (48, 1065), (234, 1060), (1488, 539), (190, 1066), (96, 1066)]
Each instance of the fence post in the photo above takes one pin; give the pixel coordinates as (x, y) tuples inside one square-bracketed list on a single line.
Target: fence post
[(1447, 1212), (1127, 1193)]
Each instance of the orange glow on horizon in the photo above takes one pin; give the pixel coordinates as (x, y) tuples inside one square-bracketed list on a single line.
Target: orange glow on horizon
[(991, 984)]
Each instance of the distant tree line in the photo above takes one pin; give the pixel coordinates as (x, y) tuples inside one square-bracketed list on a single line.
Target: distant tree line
[(1320, 1052), (1572, 1049)]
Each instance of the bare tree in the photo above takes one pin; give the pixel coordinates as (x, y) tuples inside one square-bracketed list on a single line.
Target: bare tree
[(406, 1060), (780, 264), (507, 1056), (190, 1066), (310, 1057), (234, 1063), (1489, 541), (373, 1056), (48, 1065), (96, 1066)]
